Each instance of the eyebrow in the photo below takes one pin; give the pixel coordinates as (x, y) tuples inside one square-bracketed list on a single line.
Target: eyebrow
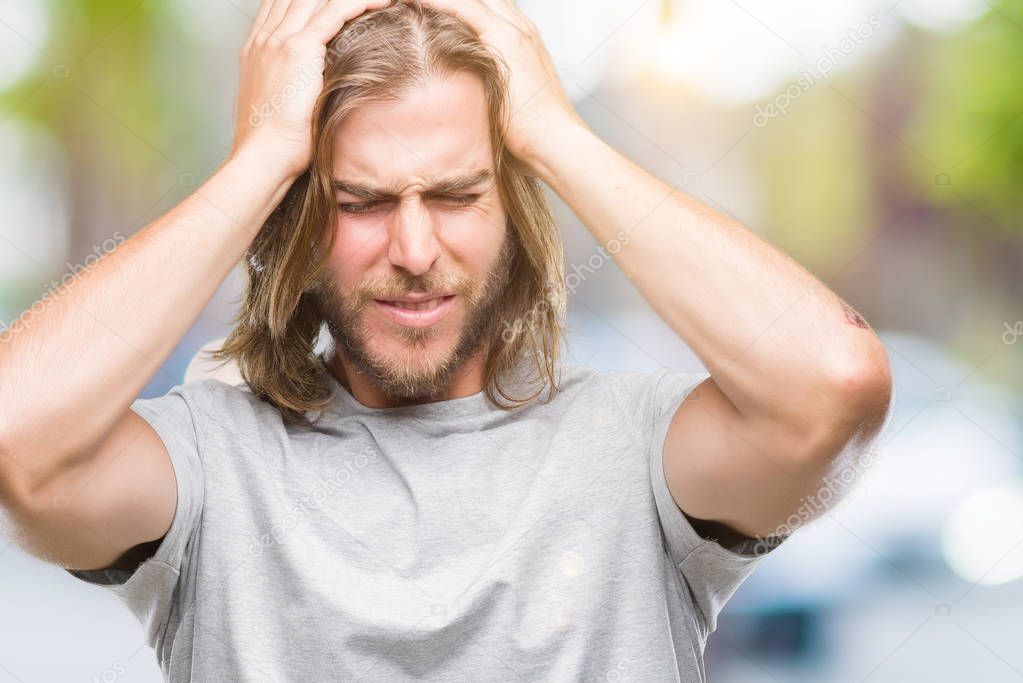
[(444, 184)]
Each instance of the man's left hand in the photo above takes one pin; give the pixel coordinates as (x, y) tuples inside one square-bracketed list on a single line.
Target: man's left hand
[(539, 106)]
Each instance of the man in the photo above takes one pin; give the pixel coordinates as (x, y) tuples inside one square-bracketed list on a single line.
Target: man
[(437, 496)]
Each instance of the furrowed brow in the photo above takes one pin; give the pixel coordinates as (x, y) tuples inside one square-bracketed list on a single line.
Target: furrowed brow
[(457, 183), (442, 185)]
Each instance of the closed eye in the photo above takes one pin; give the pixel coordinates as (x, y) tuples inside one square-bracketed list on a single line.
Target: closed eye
[(457, 198), (363, 207), (366, 207)]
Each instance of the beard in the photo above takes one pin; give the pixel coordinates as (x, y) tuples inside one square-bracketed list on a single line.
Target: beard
[(409, 374)]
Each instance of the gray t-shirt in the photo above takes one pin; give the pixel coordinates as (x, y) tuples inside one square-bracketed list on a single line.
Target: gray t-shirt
[(446, 541)]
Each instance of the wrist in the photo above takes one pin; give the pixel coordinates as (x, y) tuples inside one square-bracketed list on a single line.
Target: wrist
[(556, 145), (247, 187), (264, 168), (267, 161)]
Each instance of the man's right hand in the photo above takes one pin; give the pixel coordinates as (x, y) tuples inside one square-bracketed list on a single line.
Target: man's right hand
[(282, 76)]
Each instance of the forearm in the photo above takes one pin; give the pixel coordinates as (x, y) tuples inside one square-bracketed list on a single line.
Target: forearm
[(774, 338), (76, 368)]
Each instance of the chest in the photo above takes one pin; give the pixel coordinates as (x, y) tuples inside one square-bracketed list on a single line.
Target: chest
[(527, 540)]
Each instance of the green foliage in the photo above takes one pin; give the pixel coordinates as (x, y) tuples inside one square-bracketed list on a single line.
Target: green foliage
[(102, 86), (972, 114)]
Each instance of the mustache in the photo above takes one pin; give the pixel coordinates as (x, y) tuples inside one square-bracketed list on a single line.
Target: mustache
[(397, 286)]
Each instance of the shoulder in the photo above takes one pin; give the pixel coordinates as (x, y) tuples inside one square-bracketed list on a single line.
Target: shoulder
[(213, 404), (212, 394), (630, 385), (605, 389), (641, 395)]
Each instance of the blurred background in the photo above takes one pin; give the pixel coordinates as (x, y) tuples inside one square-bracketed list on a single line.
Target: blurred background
[(880, 143)]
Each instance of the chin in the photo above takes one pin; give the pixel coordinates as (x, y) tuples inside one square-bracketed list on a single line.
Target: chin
[(410, 373), (419, 355)]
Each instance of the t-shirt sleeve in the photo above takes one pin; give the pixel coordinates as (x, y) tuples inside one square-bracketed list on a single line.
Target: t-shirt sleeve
[(150, 591), (711, 571)]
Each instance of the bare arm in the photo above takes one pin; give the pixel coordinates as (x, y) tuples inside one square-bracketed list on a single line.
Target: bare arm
[(69, 380), (798, 383), (71, 377), (73, 374)]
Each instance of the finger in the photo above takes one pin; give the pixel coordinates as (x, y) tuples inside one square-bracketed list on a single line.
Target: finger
[(258, 24), (507, 11), (328, 21), (277, 13), (263, 12), (298, 15), (522, 20)]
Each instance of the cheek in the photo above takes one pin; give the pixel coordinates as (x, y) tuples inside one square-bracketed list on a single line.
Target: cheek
[(475, 231), (471, 251), (357, 244)]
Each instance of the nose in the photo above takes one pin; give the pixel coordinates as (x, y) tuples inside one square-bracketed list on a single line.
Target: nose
[(413, 244)]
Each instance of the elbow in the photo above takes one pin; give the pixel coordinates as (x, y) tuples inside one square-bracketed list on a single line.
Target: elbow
[(14, 494), (20, 489), (865, 386), (859, 395)]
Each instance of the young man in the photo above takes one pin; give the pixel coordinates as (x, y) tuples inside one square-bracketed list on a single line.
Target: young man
[(437, 496)]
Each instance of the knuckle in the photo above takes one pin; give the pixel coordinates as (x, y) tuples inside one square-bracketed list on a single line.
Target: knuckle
[(257, 45)]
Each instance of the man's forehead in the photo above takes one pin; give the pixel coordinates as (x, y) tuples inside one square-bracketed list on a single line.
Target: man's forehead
[(429, 133), (392, 164), (406, 155)]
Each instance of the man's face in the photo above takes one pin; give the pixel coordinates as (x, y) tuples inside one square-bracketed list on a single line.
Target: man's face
[(403, 234)]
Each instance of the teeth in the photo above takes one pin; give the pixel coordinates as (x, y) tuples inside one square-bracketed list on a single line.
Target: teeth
[(423, 306)]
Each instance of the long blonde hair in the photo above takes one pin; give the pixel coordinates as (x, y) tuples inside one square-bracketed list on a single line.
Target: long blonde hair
[(375, 57)]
